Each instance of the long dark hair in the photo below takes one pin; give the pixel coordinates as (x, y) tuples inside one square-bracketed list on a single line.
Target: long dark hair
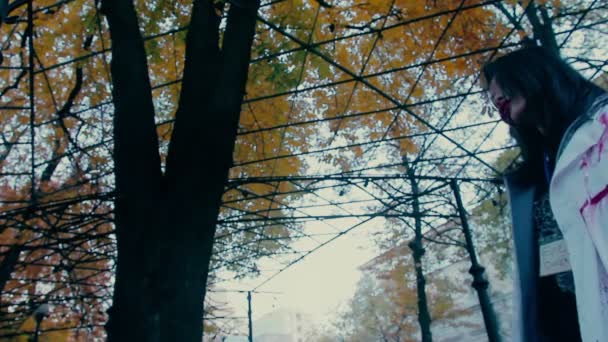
[(556, 95)]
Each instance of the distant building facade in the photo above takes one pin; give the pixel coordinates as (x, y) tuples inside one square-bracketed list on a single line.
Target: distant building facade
[(283, 325)]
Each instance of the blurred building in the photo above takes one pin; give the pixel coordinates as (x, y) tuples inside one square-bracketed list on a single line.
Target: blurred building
[(282, 325), (468, 324)]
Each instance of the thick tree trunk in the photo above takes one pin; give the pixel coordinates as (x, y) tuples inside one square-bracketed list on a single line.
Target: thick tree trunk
[(200, 157), (133, 315), (543, 31), (165, 224), (7, 265)]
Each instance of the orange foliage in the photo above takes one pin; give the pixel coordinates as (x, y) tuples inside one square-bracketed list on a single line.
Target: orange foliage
[(68, 242)]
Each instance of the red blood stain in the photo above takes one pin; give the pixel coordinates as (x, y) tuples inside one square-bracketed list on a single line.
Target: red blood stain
[(588, 161), (593, 201)]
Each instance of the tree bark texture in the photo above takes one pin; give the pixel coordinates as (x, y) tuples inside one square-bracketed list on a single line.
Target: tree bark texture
[(165, 223), (543, 31)]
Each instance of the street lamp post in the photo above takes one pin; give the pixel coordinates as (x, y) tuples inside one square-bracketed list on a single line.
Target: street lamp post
[(41, 312)]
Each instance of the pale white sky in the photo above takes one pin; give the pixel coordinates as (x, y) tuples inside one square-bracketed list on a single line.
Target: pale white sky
[(318, 284)]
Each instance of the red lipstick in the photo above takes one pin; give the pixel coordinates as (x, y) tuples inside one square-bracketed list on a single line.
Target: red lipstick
[(504, 108)]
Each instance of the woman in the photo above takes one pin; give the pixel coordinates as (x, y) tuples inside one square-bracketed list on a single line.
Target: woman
[(558, 195)]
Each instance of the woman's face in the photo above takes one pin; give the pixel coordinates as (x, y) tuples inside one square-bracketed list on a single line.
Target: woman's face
[(511, 109)]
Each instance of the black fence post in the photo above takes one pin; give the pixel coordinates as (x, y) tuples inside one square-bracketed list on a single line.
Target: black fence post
[(480, 283)]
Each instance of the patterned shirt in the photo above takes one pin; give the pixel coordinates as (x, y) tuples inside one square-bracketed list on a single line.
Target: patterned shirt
[(547, 231)]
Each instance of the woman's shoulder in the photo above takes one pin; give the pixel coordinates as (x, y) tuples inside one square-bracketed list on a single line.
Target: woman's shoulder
[(599, 106), (594, 113), (597, 115)]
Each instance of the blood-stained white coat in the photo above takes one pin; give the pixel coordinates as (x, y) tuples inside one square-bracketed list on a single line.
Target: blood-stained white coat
[(579, 201)]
